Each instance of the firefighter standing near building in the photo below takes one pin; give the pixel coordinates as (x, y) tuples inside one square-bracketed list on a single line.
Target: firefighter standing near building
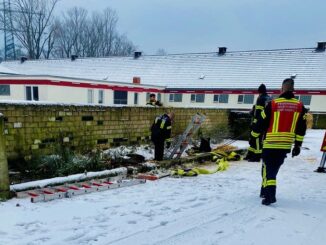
[(161, 131), (282, 122), (255, 150), (152, 101)]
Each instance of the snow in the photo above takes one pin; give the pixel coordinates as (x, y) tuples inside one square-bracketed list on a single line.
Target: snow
[(181, 71), (222, 208)]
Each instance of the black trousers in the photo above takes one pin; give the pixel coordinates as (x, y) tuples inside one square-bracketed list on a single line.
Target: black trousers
[(159, 149), (272, 161), (255, 151)]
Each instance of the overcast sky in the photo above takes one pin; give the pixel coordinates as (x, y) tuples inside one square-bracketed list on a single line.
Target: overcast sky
[(180, 26)]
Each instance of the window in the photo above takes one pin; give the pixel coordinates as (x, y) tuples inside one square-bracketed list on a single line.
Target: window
[(101, 96), (175, 97), (221, 98), (90, 96), (4, 89), (120, 97), (147, 96), (305, 99), (136, 98), (159, 97), (246, 99), (35, 93), (31, 93), (198, 98), (249, 99)]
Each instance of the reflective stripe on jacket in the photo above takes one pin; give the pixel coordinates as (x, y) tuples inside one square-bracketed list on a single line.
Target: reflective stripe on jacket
[(284, 117), (282, 122)]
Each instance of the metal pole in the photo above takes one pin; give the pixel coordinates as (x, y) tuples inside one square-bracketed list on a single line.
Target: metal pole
[(4, 175), (321, 168)]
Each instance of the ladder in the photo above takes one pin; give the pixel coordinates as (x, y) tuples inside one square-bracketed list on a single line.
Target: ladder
[(185, 139), (71, 190)]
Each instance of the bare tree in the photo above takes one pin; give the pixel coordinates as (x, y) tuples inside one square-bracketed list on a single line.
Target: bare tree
[(94, 36), (70, 32), (34, 26), (43, 35), (123, 46)]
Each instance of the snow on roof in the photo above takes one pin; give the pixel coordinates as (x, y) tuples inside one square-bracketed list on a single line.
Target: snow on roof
[(5, 70), (240, 69)]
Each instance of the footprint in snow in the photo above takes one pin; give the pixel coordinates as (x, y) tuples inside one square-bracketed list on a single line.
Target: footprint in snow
[(197, 205), (165, 208), (178, 210), (157, 204), (191, 200), (268, 219), (149, 214), (43, 239), (132, 222), (203, 199), (163, 223), (75, 236)]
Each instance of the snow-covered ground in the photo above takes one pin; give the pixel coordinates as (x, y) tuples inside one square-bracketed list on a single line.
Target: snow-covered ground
[(223, 208)]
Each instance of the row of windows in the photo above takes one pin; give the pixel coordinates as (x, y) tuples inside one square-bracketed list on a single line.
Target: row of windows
[(200, 98), (121, 97), (224, 98)]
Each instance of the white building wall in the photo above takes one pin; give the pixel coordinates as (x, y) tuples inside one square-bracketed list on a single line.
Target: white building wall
[(318, 103), (17, 92), (62, 94), (67, 94)]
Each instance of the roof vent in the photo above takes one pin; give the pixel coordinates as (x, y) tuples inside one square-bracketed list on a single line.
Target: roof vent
[(321, 46), (136, 80), (137, 54), (202, 77), (74, 57), (23, 59), (222, 50)]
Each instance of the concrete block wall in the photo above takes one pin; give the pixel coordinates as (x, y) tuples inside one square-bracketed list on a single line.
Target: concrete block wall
[(39, 129)]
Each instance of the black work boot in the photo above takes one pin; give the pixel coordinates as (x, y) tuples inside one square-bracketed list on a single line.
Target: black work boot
[(255, 158), (269, 195), (248, 156), (268, 201)]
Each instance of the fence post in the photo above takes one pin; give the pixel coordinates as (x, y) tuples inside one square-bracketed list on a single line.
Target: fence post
[(4, 176)]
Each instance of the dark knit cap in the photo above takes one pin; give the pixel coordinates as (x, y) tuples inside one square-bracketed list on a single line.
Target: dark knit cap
[(262, 89)]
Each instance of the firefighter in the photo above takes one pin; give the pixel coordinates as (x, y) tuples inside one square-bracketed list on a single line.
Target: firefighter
[(255, 150), (282, 122), (161, 132), (152, 101)]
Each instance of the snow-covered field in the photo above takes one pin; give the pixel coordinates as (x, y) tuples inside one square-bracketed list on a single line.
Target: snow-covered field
[(223, 208)]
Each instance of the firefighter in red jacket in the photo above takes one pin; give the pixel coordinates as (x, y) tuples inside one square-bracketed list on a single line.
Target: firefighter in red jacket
[(282, 122)]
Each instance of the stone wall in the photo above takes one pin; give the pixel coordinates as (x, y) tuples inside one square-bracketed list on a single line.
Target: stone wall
[(39, 129), (319, 121)]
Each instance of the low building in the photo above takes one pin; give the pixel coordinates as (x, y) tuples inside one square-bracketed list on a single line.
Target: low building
[(219, 79)]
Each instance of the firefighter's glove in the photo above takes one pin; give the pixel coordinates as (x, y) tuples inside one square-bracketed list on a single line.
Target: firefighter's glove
[(295, 151), (168, 144)]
